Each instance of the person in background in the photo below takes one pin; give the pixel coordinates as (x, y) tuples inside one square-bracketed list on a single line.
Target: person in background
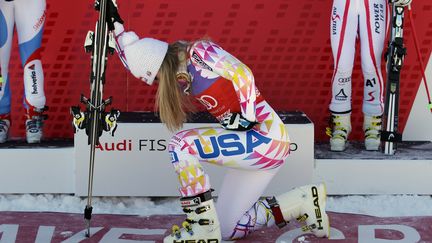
[(251, 140), (29, 18), (368, 21)]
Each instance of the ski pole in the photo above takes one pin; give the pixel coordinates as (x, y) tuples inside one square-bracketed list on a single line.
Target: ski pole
[(98, 59), (419, 56), (94, 119)]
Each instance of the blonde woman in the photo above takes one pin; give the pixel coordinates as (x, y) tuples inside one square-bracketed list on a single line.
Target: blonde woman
[(251, 140)]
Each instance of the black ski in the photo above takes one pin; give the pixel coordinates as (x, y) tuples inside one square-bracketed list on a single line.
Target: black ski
[(94, 119), (395, 57)]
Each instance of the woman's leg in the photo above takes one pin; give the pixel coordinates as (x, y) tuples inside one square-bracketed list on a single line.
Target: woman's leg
[(6, 32), (343, 34), (373, 22), (7, 17), (239, 211), (253, 158), (373, 29), (30, 18)]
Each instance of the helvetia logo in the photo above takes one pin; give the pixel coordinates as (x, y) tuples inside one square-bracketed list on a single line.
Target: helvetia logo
[(34, 79)]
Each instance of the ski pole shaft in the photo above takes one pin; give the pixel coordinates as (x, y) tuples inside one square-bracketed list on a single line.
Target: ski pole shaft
[(96, 105), (88, 209), (417, 47)]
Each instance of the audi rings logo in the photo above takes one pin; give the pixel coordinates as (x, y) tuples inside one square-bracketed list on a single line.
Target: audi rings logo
[(343, 81), (208, 101)]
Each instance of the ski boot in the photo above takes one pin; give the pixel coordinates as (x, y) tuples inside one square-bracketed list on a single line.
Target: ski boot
[(306, 204), (201, 224), (34, 124), (4, 127), (338, 131), (372, 130)]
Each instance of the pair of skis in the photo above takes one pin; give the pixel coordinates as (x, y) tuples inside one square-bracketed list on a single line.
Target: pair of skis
[(94, 119), (395, 58)]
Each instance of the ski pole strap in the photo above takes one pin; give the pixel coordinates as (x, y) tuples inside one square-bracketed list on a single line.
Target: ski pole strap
[(277, 213), (387, 136)]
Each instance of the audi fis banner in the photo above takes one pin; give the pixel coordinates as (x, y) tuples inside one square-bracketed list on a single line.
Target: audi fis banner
[(131, 162)]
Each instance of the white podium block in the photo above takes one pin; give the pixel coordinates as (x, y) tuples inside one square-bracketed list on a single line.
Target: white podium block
[(37, 168), (135, 162), (356, 171)]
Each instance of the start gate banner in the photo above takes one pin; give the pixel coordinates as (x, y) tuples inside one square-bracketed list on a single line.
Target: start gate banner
[(69, 228)]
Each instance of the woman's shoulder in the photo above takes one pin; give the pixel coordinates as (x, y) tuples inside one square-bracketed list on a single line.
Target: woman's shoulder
[(204, 45)]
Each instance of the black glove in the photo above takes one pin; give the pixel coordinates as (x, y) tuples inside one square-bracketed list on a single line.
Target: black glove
[(236, 122), (112, 15), (402, 3)]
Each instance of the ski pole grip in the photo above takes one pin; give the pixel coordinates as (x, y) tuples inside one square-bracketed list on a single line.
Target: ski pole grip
[(88, 212)]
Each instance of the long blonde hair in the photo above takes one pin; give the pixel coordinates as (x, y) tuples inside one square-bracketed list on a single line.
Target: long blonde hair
[(171, 102)]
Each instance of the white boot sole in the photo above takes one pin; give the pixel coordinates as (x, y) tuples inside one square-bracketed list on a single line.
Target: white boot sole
[(337, 145), (372, 145), (34, 138)]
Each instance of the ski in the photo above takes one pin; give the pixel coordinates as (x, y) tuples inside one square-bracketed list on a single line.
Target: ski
[(395, 57), (94, 119)]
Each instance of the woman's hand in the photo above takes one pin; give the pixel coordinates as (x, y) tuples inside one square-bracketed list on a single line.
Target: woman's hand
[(402, 3), (236, 122), (112, 14)]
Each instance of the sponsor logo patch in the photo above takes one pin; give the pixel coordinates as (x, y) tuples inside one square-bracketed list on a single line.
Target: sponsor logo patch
[(229, 144), (200, 62), (335, 17), (34, 79), (317, 207), (341, 95)]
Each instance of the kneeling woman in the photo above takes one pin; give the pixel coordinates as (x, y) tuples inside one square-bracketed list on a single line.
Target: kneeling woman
[(252, 141)]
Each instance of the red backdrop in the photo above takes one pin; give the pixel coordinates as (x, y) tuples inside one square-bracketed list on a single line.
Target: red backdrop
[(286, 44)]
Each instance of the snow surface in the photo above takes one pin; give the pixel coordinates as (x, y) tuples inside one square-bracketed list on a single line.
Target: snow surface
[(382, 205)]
